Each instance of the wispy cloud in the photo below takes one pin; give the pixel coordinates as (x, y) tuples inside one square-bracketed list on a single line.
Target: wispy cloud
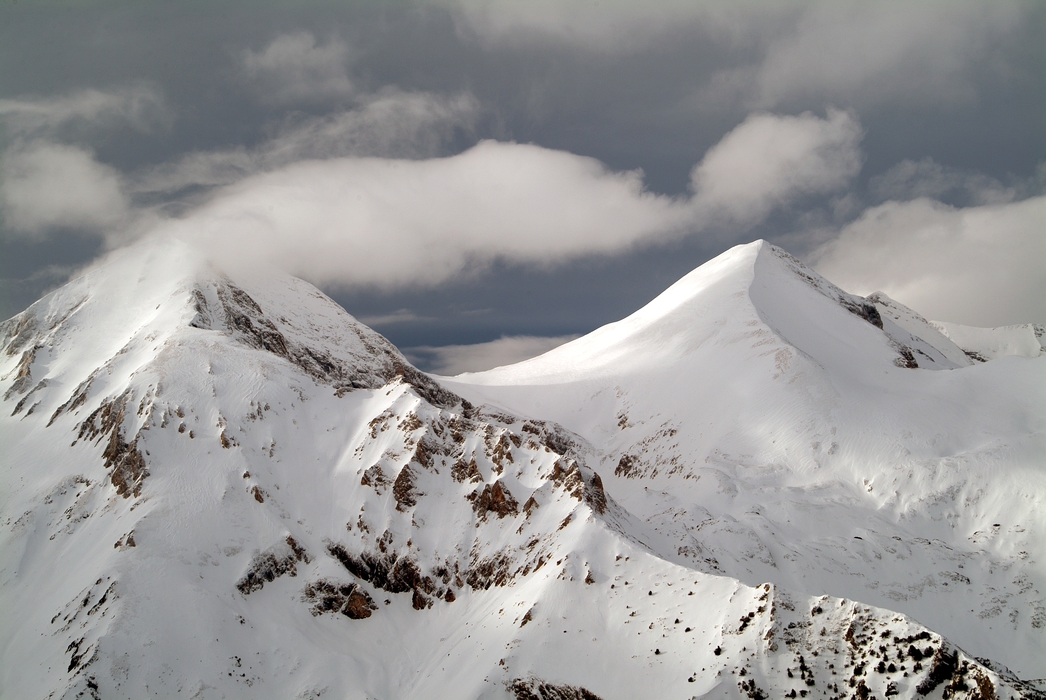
[(607, 26), (47, 182), (396, 317), (140, 106), (861, 52), (788, 52), (912, 179), (390, 124), (294, 68)]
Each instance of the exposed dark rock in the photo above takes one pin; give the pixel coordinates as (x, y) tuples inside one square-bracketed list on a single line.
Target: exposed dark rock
[(269, 565), (375, 478), (386, 571), (348, 599), (75, 401), (567, 474), (944, 666), (426, 388), (866, 310), (534, 689), (18, 332), (494, 498), (627, 466), (466, 471), (245, 318), (530, 505), (23, 375), (595, 496), (906, 359), (123, 459), (492, 571), (25, 399), (403, 489), (76, 657), (419, 601)]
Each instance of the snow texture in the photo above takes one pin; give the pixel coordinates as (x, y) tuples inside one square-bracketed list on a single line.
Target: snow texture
[(223, 486)]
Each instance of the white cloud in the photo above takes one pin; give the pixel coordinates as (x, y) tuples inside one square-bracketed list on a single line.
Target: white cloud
[(769, 160), (294, 67), (449, 360), (141, 106), (46, 185), (980, 266), (392, 222)]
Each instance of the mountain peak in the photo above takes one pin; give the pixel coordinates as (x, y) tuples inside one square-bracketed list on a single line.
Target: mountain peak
[(235, 445), (757, 403), (154, 300), (751, 284)]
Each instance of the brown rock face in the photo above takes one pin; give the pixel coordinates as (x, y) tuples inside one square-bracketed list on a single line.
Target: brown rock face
[(534, 689), (403, 489), (123, 459), (358, 606), (494, 498), (267, 566), (347, 599)]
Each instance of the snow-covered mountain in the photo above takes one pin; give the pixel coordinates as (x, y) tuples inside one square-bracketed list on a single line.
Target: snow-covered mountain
[(222, 485)]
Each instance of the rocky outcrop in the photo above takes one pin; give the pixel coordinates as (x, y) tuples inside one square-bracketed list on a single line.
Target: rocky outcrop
[(269, 565), (493, 498), (347, 599), (123, 459), (534, 689)]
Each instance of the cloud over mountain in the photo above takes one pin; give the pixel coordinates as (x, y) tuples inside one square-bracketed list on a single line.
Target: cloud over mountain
[(980, 266), (389, 223)]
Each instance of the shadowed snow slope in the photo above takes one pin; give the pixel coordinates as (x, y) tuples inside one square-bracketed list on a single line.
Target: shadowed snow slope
[(224, 486), (770, 427)]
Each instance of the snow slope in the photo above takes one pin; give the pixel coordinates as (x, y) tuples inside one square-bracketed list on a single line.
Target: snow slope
[(1026, 340), (770, 427), (223, 486)]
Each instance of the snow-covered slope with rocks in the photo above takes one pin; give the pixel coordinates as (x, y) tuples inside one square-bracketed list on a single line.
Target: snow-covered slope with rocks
[(770, 427), (223, 486)]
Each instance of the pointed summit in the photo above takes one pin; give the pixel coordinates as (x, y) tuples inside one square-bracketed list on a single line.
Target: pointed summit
[(161, 302), (756, 285)]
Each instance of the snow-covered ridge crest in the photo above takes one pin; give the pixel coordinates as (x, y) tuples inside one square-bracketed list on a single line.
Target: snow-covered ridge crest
[(759, 282), (155, 294), (768, 426)]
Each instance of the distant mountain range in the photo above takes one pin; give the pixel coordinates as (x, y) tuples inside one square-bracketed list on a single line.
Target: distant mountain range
[(219, 484)]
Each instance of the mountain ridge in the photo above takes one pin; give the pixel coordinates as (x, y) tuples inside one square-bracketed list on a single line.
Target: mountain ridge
[(790, 386), (192, 455)]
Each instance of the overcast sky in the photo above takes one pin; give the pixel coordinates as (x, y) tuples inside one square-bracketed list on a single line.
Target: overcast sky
[(481, 179)]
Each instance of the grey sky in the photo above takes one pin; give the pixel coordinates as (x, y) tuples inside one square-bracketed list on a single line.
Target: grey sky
[(532, 169)]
